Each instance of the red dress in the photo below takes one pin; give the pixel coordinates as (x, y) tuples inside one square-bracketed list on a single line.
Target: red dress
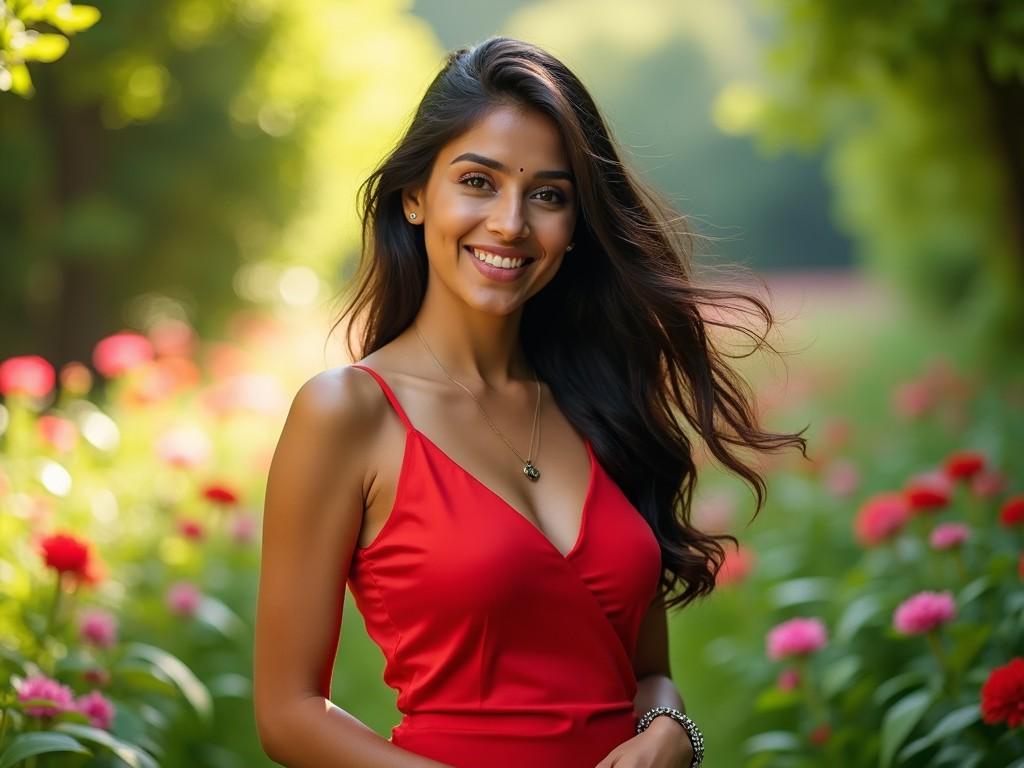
[(505, 653)]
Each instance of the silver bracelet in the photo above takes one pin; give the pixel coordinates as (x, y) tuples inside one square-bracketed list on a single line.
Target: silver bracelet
[(696, 738)]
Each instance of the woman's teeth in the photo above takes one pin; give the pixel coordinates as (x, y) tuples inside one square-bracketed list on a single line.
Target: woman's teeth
[(498, 261)]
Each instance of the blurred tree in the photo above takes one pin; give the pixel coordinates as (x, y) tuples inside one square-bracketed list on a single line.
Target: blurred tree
[(21, 41), (188, 151), (921, 105)]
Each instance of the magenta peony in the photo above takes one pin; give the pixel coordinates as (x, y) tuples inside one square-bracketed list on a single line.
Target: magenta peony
[(924, 612), (58, 697), (97, 708), (796, 637), (27, 375), (183, 598), (98, 627), (949, 535), (121, 353)]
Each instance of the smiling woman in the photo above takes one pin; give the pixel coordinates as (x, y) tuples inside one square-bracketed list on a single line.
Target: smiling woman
[(517, 282)]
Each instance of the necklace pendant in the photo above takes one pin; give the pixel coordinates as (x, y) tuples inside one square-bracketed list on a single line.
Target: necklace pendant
[(531, 471)]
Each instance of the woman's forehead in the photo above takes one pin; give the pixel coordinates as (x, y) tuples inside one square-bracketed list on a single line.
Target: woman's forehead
[(516, 137)]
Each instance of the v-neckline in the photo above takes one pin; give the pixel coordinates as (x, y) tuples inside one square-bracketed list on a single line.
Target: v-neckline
[(506, 505)]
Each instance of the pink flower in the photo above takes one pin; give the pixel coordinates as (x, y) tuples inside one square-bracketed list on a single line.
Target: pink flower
[(97, 708), (60, 433), (58, 697), (880, 518), (913, 399), (243, 528), (949, 535), (796, 637), (987, 483), (26, 375), (842, 478), (173, 338), (788, 679), (120, 353), (98, 627), (183, 598), (184, 446), (924, 612), (929, 491)]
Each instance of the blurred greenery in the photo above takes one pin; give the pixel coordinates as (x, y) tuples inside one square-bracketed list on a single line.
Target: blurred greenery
[(180, 140), (920, 106)]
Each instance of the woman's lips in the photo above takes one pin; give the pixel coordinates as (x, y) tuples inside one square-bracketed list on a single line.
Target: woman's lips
[(497, 273)]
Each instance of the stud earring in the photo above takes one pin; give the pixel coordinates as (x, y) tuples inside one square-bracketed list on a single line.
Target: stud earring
[(412, 216), (570, 246)]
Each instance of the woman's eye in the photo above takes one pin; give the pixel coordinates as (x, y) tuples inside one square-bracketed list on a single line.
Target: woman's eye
[(468, 181), (556, 196)]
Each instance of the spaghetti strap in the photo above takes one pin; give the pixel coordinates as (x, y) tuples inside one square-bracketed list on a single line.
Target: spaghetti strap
[(387, 393)]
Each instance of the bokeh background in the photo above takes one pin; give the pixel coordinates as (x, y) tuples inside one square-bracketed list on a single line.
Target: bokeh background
[(178, 219)]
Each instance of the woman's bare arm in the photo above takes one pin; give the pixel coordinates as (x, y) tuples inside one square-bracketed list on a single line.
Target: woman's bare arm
[(312, 517)]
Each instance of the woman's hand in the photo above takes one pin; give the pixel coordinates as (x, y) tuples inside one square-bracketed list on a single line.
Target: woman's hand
[(665, 744)]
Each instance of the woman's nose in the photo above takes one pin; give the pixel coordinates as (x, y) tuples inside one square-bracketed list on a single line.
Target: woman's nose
[(507, 219)]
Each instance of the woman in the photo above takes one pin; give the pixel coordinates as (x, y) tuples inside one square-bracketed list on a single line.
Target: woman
[(502, 480)]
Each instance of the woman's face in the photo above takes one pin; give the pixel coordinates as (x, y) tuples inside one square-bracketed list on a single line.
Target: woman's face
[(501, 192)]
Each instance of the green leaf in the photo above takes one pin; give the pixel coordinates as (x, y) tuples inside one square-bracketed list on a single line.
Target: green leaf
[(973, 591), (133, 756), (38, 743), (899, 721), (800, 591), (772, 741), (74, 18), (837, 676), (138, 675), (776, 698), (178, 672), (950, 725), (895, 685), (968, 640), (44, 48), (858, 613), (217, 615)]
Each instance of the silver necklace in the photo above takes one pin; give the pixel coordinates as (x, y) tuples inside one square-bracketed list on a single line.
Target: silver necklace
[(529, 469)]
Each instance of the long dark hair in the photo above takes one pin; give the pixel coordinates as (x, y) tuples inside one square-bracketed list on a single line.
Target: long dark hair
[(632, 353)]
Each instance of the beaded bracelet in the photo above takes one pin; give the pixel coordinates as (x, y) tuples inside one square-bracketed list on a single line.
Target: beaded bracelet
[(696, 738)]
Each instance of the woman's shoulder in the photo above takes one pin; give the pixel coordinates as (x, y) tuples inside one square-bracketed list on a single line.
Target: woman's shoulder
[(345, 400)]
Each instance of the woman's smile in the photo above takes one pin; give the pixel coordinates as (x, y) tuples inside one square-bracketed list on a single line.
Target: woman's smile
[(500, 264)]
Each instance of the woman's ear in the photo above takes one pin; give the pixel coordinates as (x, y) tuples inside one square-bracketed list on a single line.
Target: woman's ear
[(411, 206)]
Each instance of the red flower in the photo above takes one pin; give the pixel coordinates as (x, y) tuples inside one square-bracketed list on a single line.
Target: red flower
[(121, 352), (964, 465), (821, 734), (1002, 695), (220, 494), (190, 529), (880, 518), (928, 492), (736, 565), (66, 554), (1012, 512), (26, 375)]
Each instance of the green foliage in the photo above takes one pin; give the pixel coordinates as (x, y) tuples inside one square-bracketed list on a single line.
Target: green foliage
[(192, 150), (920, 105), (21, 41)]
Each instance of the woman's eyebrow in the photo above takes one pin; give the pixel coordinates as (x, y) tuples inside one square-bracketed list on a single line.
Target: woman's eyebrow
[(499, 166)]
